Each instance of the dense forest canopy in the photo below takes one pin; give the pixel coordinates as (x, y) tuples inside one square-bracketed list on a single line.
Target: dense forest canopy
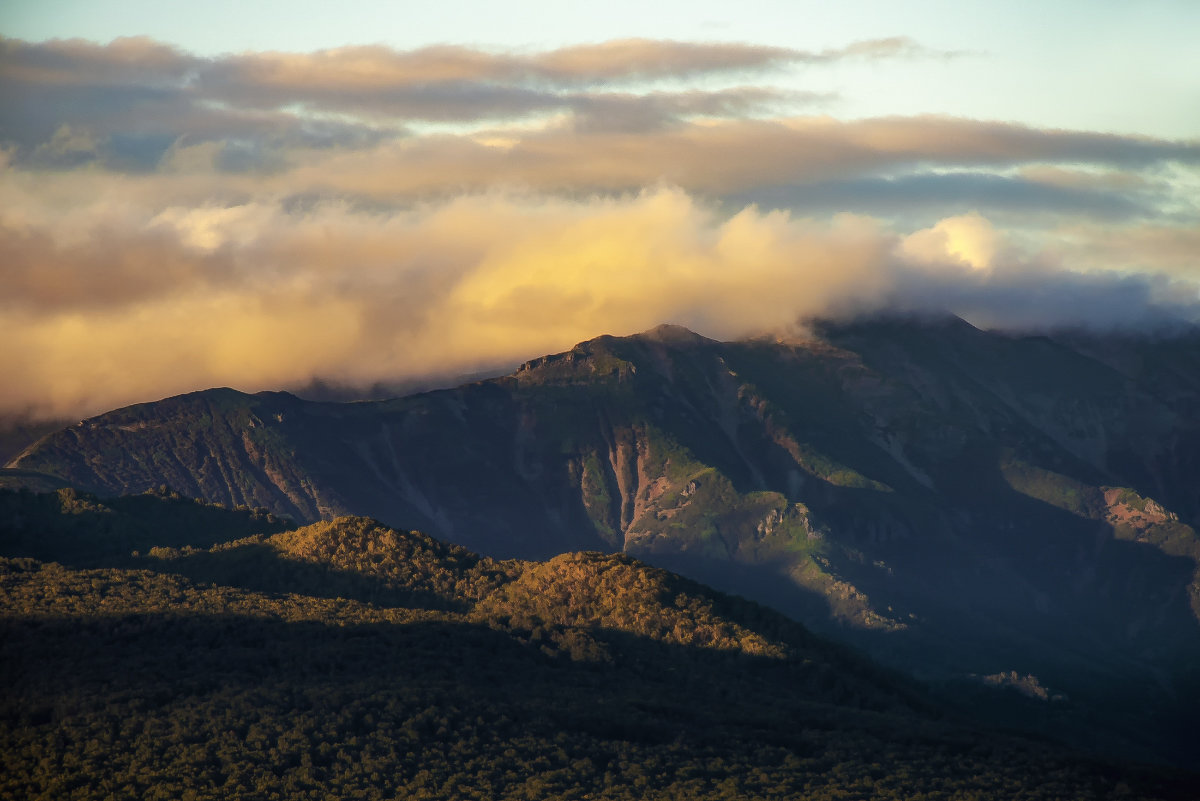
[(242, 658)]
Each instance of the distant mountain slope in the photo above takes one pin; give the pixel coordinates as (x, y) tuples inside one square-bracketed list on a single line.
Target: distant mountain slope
[(962, 503), (17, 434), (347, 659)]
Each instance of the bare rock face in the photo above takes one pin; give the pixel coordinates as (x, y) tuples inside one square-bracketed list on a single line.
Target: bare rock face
[(958, 502)]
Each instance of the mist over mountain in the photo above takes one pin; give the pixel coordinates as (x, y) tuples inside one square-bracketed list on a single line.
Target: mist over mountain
[(977, 507), (261, 296)]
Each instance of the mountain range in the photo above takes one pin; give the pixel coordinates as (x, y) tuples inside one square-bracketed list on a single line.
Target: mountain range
[(1003, 516)]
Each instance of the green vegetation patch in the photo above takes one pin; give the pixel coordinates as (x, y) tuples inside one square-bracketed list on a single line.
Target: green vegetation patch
[(1053, 488)]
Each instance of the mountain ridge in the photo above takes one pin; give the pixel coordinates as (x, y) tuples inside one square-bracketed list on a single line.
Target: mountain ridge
[(957, 502)]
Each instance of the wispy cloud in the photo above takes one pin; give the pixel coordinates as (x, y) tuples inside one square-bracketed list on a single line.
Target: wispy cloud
[(144, 90), (734, 155), (923, 193)]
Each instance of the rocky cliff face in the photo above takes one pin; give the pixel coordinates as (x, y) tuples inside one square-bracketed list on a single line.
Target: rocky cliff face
[(957, 501)]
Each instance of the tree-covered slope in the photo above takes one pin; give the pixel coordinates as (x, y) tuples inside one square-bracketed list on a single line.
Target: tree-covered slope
[(347, 659)]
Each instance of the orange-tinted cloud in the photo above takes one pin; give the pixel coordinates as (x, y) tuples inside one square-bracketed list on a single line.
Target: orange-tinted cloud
[(446, 288), (259, 296), (969, 239)]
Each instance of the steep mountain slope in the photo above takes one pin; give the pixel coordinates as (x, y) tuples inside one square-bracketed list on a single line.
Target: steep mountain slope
[(347, 659), (961, 503), (16, 434)]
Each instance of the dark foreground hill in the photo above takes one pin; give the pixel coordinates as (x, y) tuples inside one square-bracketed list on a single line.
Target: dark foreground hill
[(984, 510), (350, 660)]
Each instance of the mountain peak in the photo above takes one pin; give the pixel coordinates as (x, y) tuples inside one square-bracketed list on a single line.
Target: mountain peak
[(670, 334), (885, 321)]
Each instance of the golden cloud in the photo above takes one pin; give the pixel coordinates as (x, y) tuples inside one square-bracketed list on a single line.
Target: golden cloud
[(257, 296), (969, 239), (443, 288)]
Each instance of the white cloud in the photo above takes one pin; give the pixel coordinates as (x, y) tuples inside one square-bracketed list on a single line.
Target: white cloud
[(968, 239)]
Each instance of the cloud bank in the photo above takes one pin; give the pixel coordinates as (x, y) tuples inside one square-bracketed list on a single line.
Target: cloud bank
[(261, 297), (366, 215)]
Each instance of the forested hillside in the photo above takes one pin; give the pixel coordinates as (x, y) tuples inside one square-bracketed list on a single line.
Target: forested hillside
[(347, 659)]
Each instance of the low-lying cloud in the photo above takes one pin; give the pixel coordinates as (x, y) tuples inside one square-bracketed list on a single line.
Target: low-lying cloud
[(258, 297)]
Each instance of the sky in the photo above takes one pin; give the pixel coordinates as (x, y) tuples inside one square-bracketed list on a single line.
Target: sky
[(263, 195)]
